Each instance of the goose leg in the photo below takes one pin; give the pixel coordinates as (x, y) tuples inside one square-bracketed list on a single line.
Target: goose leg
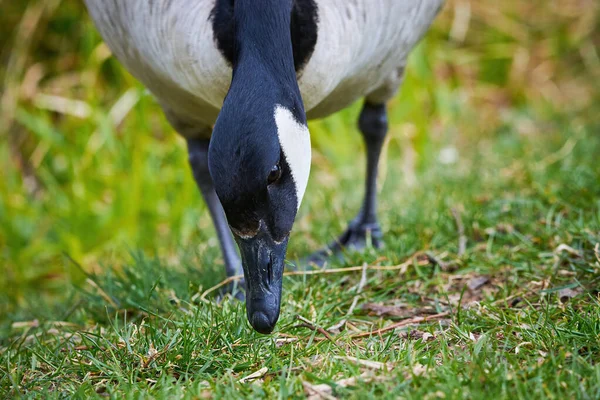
[(198, 157), (373, 127)]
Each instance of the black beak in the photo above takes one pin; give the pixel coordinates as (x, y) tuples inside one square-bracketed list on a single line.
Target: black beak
[(263, 262)]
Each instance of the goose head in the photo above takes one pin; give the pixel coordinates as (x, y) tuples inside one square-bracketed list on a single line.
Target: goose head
[(259, 160)]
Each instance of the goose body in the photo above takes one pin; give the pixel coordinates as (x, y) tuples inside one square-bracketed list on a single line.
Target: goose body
[(361, 50), (239, 79)]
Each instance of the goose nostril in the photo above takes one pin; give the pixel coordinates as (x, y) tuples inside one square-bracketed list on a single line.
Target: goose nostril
[(270, 270)]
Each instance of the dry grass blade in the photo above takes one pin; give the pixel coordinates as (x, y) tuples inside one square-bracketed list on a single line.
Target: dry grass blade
[(324, 391), (367, 363), (255, 375), (63, 105), (312, 326), (559, 155), (407, 322), (317, 392), (36, 324), (461, 20), (477, 282), (396, 311), (567, 249), (462, 239), (285, 340), (101, 292), (25, 324), (363, 280), (219, 285)]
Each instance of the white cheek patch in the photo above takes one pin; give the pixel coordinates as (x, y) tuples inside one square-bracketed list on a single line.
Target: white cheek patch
[(294, 139)]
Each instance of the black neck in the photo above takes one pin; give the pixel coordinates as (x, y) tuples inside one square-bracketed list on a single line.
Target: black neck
[(263, 59), (303, 25), (262, 30)]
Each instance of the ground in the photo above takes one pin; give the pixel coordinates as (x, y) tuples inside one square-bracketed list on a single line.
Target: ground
[(487, 286)]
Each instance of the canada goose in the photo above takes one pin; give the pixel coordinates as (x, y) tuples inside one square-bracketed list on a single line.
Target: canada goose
[(239, 78)]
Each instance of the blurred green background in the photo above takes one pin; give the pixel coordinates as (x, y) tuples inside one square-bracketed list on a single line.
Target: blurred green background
[(91, 172)]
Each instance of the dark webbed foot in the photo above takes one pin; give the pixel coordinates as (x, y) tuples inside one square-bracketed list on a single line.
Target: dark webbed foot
[(364, 230), (356, 237)]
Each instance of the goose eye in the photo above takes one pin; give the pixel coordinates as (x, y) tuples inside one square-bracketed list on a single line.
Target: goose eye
[(275, 174)]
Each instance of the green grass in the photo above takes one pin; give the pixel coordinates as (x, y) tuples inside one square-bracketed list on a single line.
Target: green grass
[(107, 248)]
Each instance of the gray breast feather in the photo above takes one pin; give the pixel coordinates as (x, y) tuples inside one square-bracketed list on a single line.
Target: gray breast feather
[(362, 45)]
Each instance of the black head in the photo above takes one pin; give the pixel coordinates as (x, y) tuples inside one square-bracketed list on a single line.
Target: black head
[(259, 160)]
